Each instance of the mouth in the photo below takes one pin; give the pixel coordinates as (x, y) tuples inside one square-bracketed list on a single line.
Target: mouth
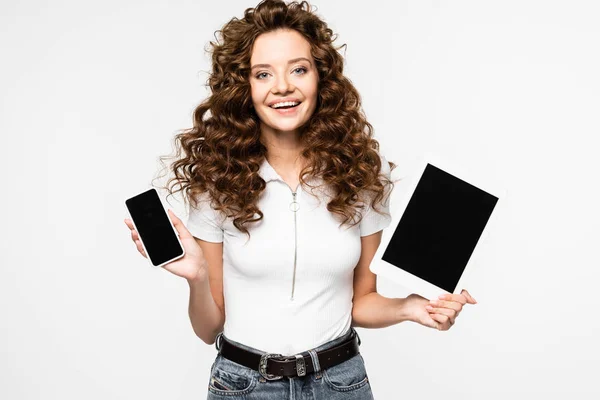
[(287, 109)]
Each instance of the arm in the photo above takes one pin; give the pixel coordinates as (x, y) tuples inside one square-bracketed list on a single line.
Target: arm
[(370, 309), (206, 307)]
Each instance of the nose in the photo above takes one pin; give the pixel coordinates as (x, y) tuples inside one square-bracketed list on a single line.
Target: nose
[(282, 84)]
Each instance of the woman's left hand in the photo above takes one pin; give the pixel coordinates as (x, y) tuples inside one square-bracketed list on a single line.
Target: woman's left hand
[(438, 313)]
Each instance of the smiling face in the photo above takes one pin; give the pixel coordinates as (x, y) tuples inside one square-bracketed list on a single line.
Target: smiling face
[(283, 69)]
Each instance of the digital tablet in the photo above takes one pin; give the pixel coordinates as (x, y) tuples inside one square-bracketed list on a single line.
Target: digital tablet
[(436, 226)]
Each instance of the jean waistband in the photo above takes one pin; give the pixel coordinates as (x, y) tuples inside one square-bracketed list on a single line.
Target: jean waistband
[(332, 343)]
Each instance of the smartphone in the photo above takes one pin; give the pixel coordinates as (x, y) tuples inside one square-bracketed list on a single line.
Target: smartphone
[(156, 231)]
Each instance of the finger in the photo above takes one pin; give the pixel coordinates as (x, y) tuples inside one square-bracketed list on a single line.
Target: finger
[(444, 321), (451, 314), (181, 229), (454, 297), (140, 248), (454, 305), (469, 297), (134, 233), (129, 224), (431, 323)]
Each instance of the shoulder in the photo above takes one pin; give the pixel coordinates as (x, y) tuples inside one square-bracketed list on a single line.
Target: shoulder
[(385, 166), (204, 222)]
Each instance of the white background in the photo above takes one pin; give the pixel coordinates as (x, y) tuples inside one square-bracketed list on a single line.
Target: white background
[(92, 93)]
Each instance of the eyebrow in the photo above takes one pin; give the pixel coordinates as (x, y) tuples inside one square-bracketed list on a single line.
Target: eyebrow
[(289, 62)]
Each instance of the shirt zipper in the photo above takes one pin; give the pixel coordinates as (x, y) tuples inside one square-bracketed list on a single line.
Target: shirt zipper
[(294, 207)]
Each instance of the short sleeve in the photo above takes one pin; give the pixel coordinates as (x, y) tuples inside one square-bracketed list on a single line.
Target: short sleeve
[(372, 221), (204, 222)]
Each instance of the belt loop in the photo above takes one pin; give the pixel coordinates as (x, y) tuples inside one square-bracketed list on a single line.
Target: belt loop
[(217, 343), (356, 333), (315, 360)]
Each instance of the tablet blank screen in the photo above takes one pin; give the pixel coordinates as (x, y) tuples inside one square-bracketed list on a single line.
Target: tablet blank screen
[(440, 227)]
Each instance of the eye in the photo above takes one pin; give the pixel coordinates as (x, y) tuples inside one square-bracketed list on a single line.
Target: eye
[(301, 69)]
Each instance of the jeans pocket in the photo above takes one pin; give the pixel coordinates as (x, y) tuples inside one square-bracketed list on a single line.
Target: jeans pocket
[(347, 376), (228, 381)]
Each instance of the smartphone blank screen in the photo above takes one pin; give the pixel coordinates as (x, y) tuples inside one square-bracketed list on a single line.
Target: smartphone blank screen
[(154, 227)]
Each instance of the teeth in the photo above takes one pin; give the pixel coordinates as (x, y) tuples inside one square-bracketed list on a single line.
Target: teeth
[(285, 103)]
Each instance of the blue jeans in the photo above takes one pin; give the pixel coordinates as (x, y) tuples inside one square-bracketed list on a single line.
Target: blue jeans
[(347, 381)]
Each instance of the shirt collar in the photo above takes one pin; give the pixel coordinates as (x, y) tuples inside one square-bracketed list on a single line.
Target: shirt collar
[(267, 172)]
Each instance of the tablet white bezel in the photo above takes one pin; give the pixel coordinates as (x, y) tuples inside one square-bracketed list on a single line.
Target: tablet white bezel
[(478, 177)]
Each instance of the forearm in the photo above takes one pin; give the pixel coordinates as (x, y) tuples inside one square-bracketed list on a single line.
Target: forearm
[(375, 311), (206, 317)]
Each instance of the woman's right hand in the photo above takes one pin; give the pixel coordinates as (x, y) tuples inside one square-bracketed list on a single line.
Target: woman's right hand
[(192, 265)]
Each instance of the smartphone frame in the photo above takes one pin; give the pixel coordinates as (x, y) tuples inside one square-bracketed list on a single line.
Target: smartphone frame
[(170, 222)]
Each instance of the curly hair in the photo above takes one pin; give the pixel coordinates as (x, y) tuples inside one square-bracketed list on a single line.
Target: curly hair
[(222, 153)]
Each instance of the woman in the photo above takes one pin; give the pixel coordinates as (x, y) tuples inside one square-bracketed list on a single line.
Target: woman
[(276, 167)]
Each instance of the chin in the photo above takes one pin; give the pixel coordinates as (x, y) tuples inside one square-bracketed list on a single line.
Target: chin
[(287, 127)]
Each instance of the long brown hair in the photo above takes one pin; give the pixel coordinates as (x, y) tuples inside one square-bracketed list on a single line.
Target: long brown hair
[(222, 152)]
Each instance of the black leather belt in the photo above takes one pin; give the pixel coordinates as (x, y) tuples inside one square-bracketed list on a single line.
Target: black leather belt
[(276, 366)]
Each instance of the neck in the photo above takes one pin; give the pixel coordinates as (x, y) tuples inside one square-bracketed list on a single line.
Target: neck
[(284, 148)]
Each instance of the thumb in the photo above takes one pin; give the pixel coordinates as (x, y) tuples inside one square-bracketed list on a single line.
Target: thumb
[(468, 296), (179, 226)]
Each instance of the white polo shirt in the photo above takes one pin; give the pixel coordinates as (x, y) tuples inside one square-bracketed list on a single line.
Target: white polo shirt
[(258, 274)]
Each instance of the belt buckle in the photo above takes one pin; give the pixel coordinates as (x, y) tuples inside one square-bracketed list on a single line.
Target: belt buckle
[(262, 367)]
